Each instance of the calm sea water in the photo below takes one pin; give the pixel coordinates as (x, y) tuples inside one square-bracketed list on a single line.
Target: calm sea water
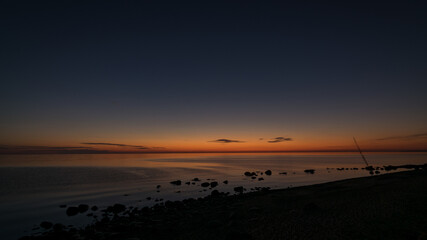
[(33, 186)]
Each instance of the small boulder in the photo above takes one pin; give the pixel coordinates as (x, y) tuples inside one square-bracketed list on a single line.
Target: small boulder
[(205, 184), (83, 208), (268, 172), (214, 184), (310, 171), (215, 193), (94, 208), (225, 182), (260, 179), (72, 211), (177, 182)]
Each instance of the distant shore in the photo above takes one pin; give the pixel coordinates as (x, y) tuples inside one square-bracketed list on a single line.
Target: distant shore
[(389, 206)]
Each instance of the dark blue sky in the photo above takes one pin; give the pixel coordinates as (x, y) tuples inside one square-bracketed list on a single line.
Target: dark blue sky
[(141, 71)]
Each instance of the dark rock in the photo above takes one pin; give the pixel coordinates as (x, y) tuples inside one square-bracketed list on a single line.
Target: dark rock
[(268, 172), (370, 168), (188, 183), (225, 182), (283, 173), (253, 177), (46, 225), (148, 198), (83, 208), (94, 208), (205, 184), (72, 211), (250, 174), (214, 184), (377, 172), (260, 179), (158, 186), (239, 189), (177, 182), (310, 171), (63, 206), (195, 180)]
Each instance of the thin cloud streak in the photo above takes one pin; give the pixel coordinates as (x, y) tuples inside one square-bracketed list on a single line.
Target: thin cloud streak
[(280, 139), (116, 144), (407, 137), (225, 140)]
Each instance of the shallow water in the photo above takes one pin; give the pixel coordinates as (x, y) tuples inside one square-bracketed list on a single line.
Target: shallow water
[(33, 186)]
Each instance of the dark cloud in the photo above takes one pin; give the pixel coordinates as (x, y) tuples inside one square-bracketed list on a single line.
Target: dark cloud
[(406, 137), (224, 140), (116, 144), (280, 139), (47, 149)]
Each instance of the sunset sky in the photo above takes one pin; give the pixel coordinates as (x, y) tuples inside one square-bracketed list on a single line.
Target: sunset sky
[(138, 77)]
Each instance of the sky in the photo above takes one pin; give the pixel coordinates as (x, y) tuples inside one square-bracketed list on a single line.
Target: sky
[(212, 76)]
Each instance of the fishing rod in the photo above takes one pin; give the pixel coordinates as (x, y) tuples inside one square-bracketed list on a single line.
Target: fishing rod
[(360, 151)]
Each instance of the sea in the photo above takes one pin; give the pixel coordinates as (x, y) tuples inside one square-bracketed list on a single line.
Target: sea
[(33, 187)]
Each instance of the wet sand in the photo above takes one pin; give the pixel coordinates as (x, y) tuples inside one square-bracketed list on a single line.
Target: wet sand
[(390, 206)]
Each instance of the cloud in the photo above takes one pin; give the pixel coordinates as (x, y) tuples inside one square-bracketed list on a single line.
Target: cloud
[(47, 149), (406, 137), (116, 144), (280, 139), (224, 140)]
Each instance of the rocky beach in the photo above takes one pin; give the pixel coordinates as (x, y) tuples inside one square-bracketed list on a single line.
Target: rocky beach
[(389, 206)]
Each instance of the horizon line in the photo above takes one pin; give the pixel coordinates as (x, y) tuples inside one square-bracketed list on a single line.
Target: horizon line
[(172, 152)]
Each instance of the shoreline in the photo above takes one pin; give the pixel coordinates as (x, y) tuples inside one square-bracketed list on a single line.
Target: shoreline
[(388, 206)]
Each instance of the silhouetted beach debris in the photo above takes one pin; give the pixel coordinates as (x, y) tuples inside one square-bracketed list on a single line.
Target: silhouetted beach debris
[(260, 179), (225, 182), (406, 166), (309, 171), (250, 174), (253, 177), (377, 172), (205, 184), (268, 172), (177, 182), (188, 183)]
